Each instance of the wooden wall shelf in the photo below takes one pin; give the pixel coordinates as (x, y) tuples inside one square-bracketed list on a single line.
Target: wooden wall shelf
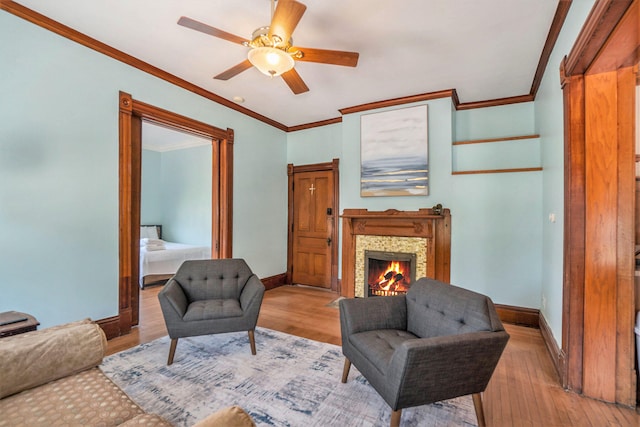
[(520, 153), (508, 138), (471, 172)]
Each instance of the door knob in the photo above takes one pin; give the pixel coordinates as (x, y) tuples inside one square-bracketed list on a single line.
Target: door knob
[(328, 241)]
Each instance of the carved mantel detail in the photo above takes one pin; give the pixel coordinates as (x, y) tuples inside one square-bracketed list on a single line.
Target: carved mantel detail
[(361, 226), (424, 223)]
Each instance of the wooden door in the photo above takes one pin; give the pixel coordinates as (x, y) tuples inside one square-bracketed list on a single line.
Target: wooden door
[(312, 227)]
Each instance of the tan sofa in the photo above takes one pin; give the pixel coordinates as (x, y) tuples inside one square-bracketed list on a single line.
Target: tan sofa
[(51, 377)]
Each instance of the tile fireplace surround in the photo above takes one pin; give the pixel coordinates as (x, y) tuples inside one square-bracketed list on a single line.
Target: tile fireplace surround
[(422, 232)]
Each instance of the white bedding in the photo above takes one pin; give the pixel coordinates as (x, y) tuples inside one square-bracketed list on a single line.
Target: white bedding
[(168, 260)]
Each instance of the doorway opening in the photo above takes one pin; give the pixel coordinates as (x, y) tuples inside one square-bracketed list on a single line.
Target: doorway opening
[(175, 196), (132, 113)]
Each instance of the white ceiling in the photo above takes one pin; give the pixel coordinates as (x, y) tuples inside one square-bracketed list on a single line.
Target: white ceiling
[(485, 49)]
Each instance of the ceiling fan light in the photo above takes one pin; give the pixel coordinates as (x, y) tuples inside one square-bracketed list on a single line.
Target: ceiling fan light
[(271, 61)]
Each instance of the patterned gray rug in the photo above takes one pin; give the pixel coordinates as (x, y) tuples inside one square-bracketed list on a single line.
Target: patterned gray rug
[(292, 381)]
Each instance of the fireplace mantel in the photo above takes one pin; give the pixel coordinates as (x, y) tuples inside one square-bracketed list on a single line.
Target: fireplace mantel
[(424, 223)]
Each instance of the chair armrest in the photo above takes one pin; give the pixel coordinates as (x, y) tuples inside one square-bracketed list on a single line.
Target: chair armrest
[(35, 358), (367, 314), (173, 300), (445, 367), (251, 295)]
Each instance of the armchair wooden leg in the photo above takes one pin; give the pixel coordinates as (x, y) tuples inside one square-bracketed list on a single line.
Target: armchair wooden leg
[(252, 341), (477, 403), (345, 371), (395, 418), (172, 350)]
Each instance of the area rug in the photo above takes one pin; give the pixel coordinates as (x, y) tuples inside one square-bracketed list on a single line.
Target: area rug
[(292, 381)]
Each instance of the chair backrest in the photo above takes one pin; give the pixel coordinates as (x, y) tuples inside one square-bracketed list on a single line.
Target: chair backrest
[(438, 309), (206, 279)]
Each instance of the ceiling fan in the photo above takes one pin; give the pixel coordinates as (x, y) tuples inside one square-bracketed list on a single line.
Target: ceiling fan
[(271, 48)]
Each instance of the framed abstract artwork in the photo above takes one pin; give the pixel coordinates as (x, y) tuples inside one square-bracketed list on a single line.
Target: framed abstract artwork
[(394, 153)]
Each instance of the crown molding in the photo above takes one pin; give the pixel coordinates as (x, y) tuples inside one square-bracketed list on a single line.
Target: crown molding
[(80, 38), (315, 124), (556, 26), (449, 93), (609, 9)]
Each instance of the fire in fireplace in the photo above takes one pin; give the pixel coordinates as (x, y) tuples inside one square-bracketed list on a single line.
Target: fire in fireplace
[(388, 273)]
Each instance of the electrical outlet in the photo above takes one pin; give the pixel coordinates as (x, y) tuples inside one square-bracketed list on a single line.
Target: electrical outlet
[(544, 302)]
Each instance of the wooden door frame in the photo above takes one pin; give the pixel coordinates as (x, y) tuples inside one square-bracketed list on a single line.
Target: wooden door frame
[(318, 167), (131, 115), (599, 123)]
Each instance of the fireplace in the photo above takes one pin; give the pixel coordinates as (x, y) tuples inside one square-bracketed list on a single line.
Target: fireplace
[(389, 273), (425, 232)]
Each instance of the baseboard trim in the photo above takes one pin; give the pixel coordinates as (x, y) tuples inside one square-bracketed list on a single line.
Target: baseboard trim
[(521, 316), (110, 326), (558, 358), (274, 281)]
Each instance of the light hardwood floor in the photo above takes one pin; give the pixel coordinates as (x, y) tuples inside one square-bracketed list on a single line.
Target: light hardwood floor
[(524, 390)]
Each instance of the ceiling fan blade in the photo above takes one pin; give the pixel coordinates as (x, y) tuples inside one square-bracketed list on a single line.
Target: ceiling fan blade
[(286, 18), (294, 81), (234, 71), (335, 57), (207, 29)]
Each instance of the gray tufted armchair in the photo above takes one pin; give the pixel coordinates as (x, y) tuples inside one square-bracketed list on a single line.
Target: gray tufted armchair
[(435, 343), (210, 297)]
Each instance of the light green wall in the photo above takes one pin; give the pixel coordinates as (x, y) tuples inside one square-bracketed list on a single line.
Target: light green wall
[(176, 193), (59, 174), (496, 226), (186, 195), (59, 180), (316, 145), (549, 122), (503, 242), (495, 122)]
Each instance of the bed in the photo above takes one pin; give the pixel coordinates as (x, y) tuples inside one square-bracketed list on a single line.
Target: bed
[(160, 259)]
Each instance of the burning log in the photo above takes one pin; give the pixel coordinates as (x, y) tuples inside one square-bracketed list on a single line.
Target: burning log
[(381, 284), (396, 279), (387, 277)]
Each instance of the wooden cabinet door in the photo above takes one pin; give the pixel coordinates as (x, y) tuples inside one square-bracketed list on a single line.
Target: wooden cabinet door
[(312, 228)]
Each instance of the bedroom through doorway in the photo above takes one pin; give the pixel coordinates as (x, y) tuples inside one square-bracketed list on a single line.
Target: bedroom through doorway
[(135, 115), (175, 201)]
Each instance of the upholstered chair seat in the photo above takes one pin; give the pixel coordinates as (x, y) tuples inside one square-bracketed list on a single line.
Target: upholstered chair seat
[(209, 297), (436, 342)]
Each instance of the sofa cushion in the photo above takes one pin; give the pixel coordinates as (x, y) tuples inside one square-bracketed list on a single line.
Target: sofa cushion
[(87, 398), (34, 358), (233, 416)]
